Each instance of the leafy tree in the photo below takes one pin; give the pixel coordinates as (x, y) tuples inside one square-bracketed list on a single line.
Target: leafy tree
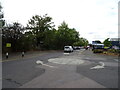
[(49, 41), (85, 41), (40, 34), (2, 22), (107, 43), (28, 41), (13, 34), (81, 42), (1, 25), (39, 26), (66, 35)]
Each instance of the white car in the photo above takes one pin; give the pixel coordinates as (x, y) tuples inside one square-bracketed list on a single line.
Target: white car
[(68, 49)]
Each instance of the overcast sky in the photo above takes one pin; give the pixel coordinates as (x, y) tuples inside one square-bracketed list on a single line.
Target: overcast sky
[(94, 19)]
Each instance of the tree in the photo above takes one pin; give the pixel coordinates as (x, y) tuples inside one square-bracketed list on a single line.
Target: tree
[(50, 40), (1, 25), (40, 25), (66, 35), (28, 41), (2, 22), (107, 43), (13, 34), (40, 34), (81, 42)]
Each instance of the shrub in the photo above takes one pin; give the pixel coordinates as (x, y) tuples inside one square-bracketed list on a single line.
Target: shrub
[(114, 50), (97, 51)]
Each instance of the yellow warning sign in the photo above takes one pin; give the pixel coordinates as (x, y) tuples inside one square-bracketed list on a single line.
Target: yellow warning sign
[(8, 44)]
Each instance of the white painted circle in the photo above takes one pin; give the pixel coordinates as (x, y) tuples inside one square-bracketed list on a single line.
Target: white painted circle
[(69, 61)]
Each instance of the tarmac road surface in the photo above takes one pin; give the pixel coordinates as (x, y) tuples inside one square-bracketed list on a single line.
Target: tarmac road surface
[(79, 69)]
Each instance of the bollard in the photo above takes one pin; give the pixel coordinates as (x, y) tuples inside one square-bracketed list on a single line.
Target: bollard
[(7, 55), (23, 54)]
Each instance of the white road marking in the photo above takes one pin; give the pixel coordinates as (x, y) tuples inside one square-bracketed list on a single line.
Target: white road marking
[(99, 66), (69, 61), (102, 64), (87, 58), (48, 65), (41, 63), (116, 60), (66, 53)]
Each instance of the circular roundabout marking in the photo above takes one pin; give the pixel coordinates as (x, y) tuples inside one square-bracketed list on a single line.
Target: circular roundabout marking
[(69, 61)]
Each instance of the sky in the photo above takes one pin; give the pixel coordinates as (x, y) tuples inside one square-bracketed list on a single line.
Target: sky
[(93, 19)]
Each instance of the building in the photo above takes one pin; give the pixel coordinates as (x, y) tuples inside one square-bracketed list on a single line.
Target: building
[(115, 43)]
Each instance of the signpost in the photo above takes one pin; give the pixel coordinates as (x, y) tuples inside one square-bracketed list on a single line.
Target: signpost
[(8, 44)]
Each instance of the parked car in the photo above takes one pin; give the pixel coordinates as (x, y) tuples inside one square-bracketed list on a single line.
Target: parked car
[(76, 47), (81, 47), (68, 49)]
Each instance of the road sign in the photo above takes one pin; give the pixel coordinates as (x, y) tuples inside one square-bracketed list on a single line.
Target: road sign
[(8, 44)]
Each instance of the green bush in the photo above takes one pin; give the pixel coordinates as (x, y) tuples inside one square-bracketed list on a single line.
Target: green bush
[(97, 51), (114, 50)]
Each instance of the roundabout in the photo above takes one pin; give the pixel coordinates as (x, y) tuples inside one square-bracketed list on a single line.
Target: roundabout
[(68, 61)]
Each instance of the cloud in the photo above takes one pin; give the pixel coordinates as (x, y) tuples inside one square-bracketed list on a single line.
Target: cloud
[(92, 18), (92, 32)]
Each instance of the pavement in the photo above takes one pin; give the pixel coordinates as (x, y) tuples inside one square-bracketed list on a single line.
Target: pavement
[(28, 54)]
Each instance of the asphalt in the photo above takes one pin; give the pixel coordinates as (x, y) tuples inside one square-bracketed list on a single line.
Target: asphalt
[(25, 73), (18, 71), (70, 76), (107, 76)]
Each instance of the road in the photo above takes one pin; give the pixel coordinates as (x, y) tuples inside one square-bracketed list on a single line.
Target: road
[(79, 69)]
